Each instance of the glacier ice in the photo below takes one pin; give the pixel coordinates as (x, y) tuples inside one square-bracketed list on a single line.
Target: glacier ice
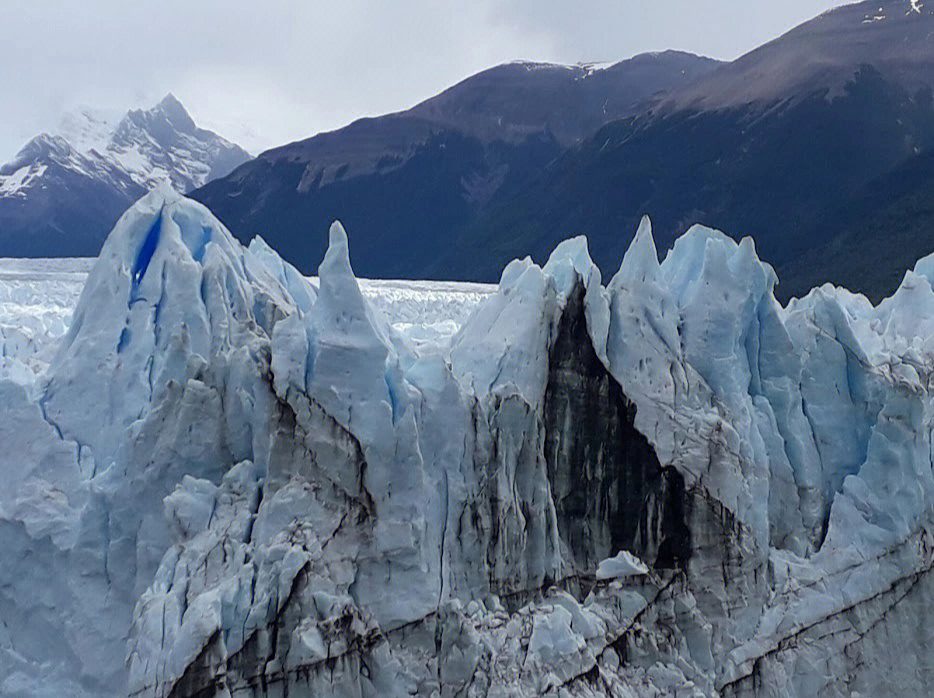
[(224, 478), (623, 564)]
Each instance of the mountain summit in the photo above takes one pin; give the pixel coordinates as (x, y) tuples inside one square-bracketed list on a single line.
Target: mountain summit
[(896, 37), (62, 192), (818, 145)]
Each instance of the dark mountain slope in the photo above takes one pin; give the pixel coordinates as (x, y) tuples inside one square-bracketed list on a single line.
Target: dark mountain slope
[(401, 216), (750, 148), (804, 143), (511, 101), (405, 183), (894, 36), (879, 234), (775, 175)]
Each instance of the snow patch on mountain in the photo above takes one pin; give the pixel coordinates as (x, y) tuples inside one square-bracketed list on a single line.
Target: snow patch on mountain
[(87, 128), (20, 179)]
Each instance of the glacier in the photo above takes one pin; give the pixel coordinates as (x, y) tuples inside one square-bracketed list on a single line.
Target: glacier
[(222, 478)]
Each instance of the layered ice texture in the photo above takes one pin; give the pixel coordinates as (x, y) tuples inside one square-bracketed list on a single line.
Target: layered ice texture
[(225, 479)]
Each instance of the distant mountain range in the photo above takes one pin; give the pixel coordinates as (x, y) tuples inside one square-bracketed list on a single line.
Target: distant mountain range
[(819, 144), (62, 193)]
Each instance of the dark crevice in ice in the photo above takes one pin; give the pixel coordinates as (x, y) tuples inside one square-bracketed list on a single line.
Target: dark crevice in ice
[(201, 679), (124, 339), (610, 491)]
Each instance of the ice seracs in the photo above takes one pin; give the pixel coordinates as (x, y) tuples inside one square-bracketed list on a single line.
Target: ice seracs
[(38, 299), (232, 480)]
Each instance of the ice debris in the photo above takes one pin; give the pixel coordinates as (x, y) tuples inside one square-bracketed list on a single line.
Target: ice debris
[(623, 564)]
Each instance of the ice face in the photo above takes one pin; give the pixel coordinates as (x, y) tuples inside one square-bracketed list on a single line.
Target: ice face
[(227, 479)]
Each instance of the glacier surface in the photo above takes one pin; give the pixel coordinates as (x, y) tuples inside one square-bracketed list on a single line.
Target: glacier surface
[(222, 478)]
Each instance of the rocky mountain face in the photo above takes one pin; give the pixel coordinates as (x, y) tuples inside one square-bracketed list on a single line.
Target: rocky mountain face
[(793, 144), (893, 36), (407, 181), (233, 481), (887, 223), (810, 144), (61, 194)]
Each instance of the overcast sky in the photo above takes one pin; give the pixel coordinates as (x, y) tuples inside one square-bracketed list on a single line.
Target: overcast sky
[(266, 72)]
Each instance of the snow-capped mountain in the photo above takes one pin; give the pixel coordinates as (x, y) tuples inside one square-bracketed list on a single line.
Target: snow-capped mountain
[(231, 480), (162, 144), (62, 192)]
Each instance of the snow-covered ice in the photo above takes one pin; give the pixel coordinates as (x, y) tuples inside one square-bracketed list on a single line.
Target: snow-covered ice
[(37, 298), (222, 478)]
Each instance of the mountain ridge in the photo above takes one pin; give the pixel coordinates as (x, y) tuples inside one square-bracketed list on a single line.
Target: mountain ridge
[(773, 145), (61, 194), (781, 144), (431, 169), (786, 170), (820, 54)]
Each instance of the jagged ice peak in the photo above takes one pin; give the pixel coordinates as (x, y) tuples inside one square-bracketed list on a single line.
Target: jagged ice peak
[(235, 480)]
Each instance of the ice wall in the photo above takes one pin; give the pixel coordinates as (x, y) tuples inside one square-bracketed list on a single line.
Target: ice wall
[(232, 482)]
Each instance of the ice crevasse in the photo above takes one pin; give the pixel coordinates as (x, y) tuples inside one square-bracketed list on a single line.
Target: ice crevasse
[(231, 482)]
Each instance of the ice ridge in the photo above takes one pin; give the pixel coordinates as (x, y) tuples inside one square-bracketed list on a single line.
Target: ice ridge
[(232, 482)]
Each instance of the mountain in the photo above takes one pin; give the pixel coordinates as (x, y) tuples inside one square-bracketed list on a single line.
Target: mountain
[(784, 144), (817, 144), (795, 143), (894, 36), (876, 236), (405, 182), (62, 193)]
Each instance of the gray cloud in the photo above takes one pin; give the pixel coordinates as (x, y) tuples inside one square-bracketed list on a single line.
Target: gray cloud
[(265, 73)]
